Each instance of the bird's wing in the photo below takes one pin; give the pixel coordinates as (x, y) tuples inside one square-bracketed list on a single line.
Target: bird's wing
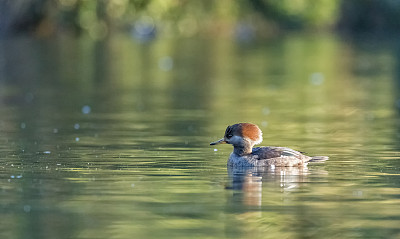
[(275, 152)]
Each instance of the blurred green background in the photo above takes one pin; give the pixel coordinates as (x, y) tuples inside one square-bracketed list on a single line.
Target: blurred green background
[(107, 109), (242, 19)]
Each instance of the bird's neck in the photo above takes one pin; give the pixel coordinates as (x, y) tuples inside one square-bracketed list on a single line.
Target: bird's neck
[(243, 149)]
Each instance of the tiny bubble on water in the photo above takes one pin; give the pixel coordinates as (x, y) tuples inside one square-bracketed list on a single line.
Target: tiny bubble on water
[(86, 109), (55, 130), (23, 125), (77, 139), (77, 126), (27, 208), (166, 63), (266, 111), (317, 78)]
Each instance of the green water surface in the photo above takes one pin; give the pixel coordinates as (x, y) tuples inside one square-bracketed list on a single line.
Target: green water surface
[(110, 138)]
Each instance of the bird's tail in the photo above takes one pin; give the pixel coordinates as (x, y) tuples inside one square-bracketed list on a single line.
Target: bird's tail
[(318, 159)]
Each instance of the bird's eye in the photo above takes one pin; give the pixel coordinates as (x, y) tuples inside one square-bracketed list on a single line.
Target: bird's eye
[(229, 135)]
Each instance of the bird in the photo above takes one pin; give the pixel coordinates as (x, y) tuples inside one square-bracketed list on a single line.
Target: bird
[(243, 136)]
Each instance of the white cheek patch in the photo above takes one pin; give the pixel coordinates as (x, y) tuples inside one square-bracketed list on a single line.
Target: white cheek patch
[(258, 141), (235, 140)]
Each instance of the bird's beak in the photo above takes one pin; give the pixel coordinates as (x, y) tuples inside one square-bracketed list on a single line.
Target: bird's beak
[(221, 141)]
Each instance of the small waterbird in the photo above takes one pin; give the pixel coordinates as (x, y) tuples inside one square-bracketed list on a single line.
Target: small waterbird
[(244, 136)]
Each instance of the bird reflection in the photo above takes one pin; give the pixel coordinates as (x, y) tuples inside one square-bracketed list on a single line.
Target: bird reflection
[(248, 182)]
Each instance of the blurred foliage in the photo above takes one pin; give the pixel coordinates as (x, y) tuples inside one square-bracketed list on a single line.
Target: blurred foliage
[(298, 13), (190, 17), (378, 16)]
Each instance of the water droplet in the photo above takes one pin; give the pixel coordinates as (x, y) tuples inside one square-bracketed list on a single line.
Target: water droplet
[(23, 125), (77, 126), (144, 29), (166, 63), (358, 193), (86, 109), (317, 78), (47, 152), (266, 111), (27, 208), (215, 150), (77, 139), (55, 130)]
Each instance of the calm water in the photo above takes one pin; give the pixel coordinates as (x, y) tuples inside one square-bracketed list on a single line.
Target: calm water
[(109, 139)]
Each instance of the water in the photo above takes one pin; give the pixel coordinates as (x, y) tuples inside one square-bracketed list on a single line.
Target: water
[(109, 139)]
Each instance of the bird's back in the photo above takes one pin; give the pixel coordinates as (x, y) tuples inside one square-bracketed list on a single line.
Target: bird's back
[(270, 156)]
